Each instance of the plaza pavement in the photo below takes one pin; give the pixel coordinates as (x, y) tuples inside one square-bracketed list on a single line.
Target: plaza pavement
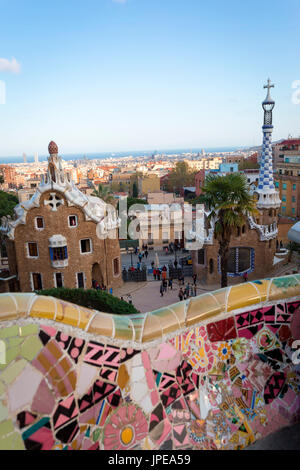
[(146, 295)]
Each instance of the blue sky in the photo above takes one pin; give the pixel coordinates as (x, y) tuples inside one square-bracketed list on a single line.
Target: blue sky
[(104, 75)]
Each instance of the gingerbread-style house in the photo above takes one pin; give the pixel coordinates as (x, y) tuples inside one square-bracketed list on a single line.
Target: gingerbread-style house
[(61, 237)]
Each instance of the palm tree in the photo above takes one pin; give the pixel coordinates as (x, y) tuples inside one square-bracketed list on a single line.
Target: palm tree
[(229, 200), (292, 247), (104, 193)]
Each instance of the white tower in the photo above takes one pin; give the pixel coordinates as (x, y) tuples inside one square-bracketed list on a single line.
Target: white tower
[(268, 197)]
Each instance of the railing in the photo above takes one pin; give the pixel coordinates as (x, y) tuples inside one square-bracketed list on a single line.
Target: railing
[(266, 232)]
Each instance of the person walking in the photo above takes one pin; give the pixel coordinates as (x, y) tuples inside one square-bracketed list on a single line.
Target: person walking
[(180, 294), (175, 263), (184, 294), (158, 274), (140, 257), (195, 279), (171, 283), (165, 284), (187, 291), (161, 289), (154, 273)]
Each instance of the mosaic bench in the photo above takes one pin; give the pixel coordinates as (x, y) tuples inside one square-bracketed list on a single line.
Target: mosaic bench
[(217, 371)]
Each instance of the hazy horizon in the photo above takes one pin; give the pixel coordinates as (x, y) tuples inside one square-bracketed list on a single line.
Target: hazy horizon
[(117, 154), (140, 74)]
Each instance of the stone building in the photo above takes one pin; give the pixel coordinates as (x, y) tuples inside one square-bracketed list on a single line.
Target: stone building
[(287, 181), (253, 247), (286, 151), (62, 237)]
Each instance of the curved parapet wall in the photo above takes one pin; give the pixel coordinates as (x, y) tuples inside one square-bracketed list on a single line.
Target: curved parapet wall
[(213, 372)]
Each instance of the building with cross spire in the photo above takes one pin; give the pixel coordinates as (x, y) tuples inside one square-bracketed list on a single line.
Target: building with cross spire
[(268, 197), (61, 237), (254, 247)]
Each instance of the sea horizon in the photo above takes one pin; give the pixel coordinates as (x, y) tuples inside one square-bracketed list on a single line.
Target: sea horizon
[(116, 155)]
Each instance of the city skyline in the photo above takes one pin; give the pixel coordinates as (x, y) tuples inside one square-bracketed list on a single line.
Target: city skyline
[(115, 76)]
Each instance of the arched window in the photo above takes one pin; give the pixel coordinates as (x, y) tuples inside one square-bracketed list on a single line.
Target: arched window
[(239, 260)]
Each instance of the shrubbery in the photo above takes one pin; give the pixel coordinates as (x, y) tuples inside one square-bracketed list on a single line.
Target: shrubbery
[(91, 298)]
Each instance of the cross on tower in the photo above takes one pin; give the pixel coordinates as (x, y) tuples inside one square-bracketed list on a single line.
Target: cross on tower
[(269, 85)]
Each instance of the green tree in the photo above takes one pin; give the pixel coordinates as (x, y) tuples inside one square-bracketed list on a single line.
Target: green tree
[(7, 203), (135, 191), (229, 200), (248, 165), (292, 247), (134, 200), (180, 176), (91, 298), (104, 193)]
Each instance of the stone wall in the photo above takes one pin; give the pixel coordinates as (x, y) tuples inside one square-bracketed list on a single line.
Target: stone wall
[(103, 251), (213, 372)]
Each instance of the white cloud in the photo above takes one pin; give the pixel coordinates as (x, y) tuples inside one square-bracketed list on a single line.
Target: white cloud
[(9, 65)]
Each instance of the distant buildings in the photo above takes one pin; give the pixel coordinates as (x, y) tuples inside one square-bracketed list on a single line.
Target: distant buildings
[(148, 183), (287, 176), (199, 181), (207, 163), (9, 174), (287, 151)]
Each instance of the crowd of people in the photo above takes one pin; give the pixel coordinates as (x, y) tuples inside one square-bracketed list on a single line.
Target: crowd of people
[(190, 290), (161, 275), (142, 254), (97, 286)]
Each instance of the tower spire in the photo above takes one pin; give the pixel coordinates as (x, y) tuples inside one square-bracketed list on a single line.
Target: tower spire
[(267, 195)]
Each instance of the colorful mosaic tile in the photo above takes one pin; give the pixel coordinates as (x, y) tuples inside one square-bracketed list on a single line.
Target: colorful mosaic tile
[(218, 385)]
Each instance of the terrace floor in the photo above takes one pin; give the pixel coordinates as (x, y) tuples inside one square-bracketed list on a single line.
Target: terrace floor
[(146, 295)]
